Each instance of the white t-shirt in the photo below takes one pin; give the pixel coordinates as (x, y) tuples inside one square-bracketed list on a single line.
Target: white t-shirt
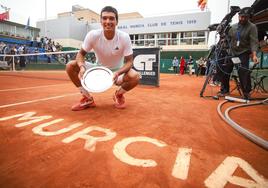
[(109, 53)]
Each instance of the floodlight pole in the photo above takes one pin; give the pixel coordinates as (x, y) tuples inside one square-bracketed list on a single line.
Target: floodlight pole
[(45, 31), (228, 6)]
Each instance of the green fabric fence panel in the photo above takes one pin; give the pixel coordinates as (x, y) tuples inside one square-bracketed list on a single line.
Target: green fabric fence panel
[(265, 60), (166, 66), (44, 66)]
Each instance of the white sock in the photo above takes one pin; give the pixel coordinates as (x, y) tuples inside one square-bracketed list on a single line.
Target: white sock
[(84, 92)]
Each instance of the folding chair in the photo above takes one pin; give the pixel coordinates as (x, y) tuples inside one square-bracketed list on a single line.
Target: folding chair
[(258, 83), (237, 84)]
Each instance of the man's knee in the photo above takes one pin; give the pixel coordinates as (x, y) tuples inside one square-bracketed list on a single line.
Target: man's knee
[(131, 77), (71, 65), (134, 76)]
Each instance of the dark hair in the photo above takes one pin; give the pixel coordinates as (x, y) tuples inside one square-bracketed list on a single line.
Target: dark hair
[(110, 9)]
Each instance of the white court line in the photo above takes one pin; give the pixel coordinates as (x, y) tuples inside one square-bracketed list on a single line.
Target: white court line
[(37, 100), (24, 88)]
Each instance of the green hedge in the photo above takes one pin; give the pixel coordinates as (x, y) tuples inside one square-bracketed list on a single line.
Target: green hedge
[(44, 66)]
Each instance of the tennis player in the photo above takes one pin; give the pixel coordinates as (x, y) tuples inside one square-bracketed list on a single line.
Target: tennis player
[(113, 50)]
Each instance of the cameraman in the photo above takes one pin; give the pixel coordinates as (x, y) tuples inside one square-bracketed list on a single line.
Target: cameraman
[(244, 41)]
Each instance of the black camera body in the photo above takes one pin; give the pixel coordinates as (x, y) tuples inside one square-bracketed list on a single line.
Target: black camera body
[(222, 48), (221, 27), (224, 26)]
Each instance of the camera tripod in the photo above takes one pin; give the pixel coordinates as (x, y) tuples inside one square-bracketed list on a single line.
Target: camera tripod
[(220, 54)]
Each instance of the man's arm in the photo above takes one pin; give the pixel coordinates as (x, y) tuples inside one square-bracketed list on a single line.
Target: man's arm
[(254, 57), (80, 59), (254, 43), (128, 62)]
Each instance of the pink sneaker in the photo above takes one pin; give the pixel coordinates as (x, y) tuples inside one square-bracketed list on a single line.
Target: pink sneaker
[(119, 100), (84, 104)]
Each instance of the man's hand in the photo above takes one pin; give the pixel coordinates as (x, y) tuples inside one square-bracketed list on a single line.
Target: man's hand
[(255, 59), (80, 59), (116, 74), (81, 72)]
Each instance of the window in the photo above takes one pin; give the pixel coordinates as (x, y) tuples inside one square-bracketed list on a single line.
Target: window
[(186, 41), (141, 36), (188, 34), (149, 43), (161, 35), (139, 43), (172, 38), (174, 41), (199, 41), (199, 34), (150, 36), (161, 42)]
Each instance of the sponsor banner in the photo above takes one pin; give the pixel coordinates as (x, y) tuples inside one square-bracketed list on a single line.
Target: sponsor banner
[(146, 62)]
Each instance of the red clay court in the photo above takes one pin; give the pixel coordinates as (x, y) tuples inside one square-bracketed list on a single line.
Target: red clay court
[(166, 137)]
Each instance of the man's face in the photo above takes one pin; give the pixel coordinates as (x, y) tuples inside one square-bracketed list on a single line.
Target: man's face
[(243, 19), (108, 21)]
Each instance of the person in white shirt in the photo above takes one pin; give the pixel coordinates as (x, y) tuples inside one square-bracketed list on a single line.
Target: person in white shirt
[(175, 64), (113, 50)]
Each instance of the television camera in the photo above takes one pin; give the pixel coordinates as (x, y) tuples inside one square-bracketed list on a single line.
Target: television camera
[(220, 52)]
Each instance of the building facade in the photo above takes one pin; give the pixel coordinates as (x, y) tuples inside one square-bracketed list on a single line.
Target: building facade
[(19, 32), (172, 33)]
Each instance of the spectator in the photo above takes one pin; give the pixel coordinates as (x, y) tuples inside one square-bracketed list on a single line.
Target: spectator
[(42, 42), (13, 51), (2, 47), (201, 64), (35, 57), (182, 65), (93, 59), (175, 64), (38, 40), (67, 58), (22, 59), (190, 65)]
